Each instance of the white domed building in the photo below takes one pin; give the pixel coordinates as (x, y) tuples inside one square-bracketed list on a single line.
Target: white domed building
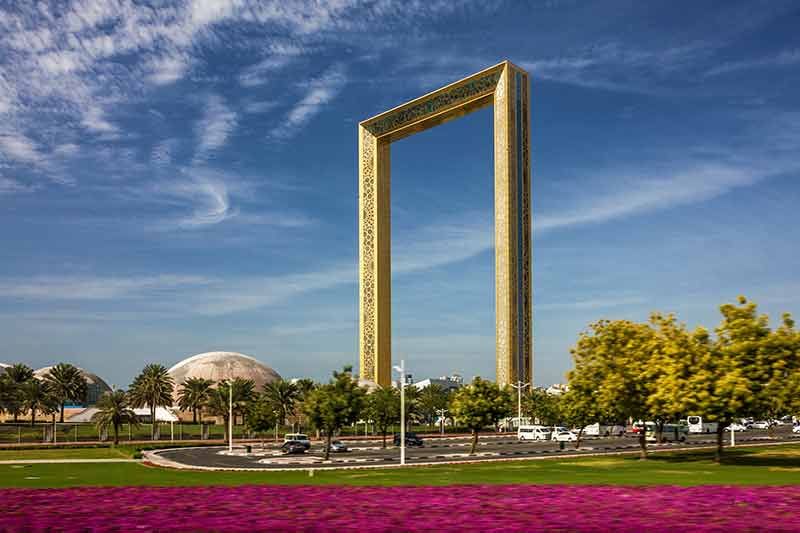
[(95, 385), (218, 366), (3, 367)]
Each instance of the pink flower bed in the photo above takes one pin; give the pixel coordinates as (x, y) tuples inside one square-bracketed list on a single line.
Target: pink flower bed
[(462, 508)]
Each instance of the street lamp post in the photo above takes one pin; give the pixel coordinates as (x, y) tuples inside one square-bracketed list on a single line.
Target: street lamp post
[(277, 421), (402, 370), (230, 418), (441, 413), (519, 385)]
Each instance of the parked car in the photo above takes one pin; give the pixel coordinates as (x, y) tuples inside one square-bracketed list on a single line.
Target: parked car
[(339, 446), (297, 437), (736, 427), (293, 447), (564, 436), (760, 424), (533, 433), (411, 439), (796, 429)]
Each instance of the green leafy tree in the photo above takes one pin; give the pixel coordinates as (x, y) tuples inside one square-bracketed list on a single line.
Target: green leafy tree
[(480, 404), (283, 395), (578, 408), (114, 410), (8, 391), (152, 388), (67, 383), (540, 405), (742, 374), (243, 395), (17, 374), (261, 415), (193, 395), (611, 361), (383, 408), (338, 403), (430, 400)]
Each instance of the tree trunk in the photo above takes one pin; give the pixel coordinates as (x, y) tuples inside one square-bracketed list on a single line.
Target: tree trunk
[(578, 441), (62, 413), (116, 434), (152, 423), (194, 415), (383, 433), (328, 438), (660, 431), (720, 433), (474, 442), (643, 444), (33, 416)]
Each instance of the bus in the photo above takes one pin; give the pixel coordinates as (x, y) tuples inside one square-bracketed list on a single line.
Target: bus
[(531, 432), (696, 425), (670, 433)]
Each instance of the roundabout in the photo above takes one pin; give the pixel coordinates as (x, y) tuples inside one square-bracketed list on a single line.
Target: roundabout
[(369, 453)]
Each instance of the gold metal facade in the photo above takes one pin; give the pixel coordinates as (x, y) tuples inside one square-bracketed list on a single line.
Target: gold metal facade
[(508, 88)]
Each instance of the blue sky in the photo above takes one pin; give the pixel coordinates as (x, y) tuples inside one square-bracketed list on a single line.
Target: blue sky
[(183, 179)]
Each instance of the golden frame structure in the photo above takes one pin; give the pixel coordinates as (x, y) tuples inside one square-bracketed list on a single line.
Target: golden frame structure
[(507, 87)]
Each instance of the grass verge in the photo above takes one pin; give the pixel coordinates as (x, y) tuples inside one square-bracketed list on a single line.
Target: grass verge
[(775, 465)]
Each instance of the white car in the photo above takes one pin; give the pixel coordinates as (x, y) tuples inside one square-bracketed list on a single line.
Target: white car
[(796, 429), (760, 424), (565, 436), (736, 427)]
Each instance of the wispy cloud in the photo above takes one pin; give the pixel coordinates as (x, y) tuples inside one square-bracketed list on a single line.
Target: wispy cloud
[(635, 195), (10, 186), (19, 148), (786, 58), (319, 92), (216, 126), (85, 288), (591, 304)]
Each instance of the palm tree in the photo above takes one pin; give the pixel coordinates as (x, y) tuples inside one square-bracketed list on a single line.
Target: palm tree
[(38, 396), (283, 395), (17, 374), (114, 410), (244, 392), (193, 395), (152, 388), (218, 399), (8, 391), (67, 383)]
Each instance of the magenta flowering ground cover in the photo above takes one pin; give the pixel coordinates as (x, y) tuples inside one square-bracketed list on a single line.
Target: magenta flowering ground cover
[(463, 508)]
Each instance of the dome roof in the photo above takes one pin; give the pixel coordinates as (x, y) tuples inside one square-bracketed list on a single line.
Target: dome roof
[(91, 379), (3, 367), (217, 366)]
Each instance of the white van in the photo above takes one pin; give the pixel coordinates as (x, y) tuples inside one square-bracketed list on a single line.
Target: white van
[(696, 425), (297, 437), (528, 432)]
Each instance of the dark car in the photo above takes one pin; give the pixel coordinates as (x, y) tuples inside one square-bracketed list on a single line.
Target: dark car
[(411, 439), (293, 447)]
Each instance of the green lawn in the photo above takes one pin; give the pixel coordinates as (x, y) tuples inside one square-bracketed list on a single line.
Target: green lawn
[(769, 465), (67, 453)]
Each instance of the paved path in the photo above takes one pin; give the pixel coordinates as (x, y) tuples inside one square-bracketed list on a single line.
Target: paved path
[(44, 461)]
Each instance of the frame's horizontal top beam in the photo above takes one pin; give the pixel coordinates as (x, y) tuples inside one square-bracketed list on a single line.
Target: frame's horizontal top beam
[(451, 101)]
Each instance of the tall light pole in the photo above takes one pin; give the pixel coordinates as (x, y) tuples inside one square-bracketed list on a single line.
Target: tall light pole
[(402, 370), (441, 413), (519, 385), (230, 417)]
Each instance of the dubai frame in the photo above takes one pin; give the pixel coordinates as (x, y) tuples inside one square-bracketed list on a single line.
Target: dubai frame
[(507, 87)]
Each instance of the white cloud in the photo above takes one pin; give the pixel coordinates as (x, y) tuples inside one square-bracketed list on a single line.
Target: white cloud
[(94, 120), (11, 186), (168, 69), (785, 58), (100, 288), (596, 303), (204, 196), (637, 195), (319, 92), (17, 147), (215, 127)]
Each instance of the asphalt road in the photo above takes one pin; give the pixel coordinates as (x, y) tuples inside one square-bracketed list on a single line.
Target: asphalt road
[(490, 446)]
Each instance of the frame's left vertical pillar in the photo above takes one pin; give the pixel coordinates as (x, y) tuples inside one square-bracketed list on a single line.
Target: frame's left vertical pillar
[(375, 268)]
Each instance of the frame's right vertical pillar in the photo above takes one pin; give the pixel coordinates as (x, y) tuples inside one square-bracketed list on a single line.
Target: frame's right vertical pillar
[(514, 338)]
